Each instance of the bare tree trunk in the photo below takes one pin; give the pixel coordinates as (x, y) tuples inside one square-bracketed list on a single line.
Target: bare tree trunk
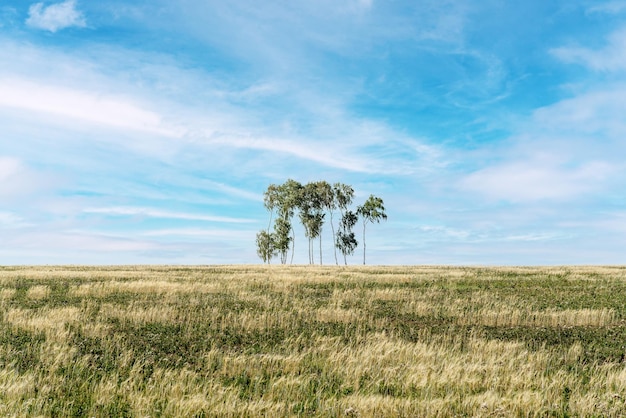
[(293, 244), (270, 222), (320, 248), (334, 237), (363, 242)]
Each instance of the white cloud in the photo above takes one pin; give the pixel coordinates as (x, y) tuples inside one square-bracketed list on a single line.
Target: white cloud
[(17, 179), (597, 111), (55, 17), (611, 7), (536, 236), (366, 4), (75, 242), (7, 15), (232, 191), (613, 222), (11, 220), (155, 213), (324, 155), (87, 106), (445, 232), (198, 233), (610, 58), (568, 149), (483, 234), (79, 91), (539, 179), (9, 167)]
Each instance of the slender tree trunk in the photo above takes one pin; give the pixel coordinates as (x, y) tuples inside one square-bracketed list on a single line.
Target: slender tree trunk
[(320, 248), (270, 222), (334, 237), (363, 242), (293, 244)]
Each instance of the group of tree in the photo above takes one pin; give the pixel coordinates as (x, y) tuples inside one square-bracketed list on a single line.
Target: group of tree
[(312, 202)]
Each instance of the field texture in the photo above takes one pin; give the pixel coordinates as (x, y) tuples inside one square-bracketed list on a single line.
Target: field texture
[(310, 341)]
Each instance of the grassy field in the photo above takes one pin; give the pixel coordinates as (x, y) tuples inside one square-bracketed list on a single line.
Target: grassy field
[(310, 341)]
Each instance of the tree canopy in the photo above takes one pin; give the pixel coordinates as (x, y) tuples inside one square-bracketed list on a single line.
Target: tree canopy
[(315, 203), (372, 211)]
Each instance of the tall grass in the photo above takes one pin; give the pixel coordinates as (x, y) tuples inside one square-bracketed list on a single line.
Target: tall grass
[(288, 341)]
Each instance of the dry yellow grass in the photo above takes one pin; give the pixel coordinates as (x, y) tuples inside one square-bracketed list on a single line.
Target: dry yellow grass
[(302, 340)]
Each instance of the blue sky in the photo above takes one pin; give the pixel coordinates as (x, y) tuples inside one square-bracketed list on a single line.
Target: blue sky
[(147, 131)]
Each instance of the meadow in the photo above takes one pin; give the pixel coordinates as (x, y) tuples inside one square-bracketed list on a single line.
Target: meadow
[(231, 341)]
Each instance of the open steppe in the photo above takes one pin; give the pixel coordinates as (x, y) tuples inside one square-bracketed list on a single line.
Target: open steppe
[(313, 341)]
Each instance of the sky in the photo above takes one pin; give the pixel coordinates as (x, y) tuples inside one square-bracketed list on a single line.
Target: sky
[(145, 132)]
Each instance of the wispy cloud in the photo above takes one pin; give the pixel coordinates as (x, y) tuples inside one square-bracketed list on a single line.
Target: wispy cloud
[(569, 149), (232, 191), (538, 236), (227, 234), (8, 16), (155, 213), (609, 58), (610, 7), (229, 118), (49, 242), (595, 112), (476, 234), (91, 107), (55, 17), (538, 179), (19, 180), (9, 167), (445, 232), (12, 220), (330, 156)]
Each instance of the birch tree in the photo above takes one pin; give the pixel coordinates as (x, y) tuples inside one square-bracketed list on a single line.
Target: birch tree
[(325, 202), (343, 195), (270, 201), (281, 239), (265, 246), (292, 195), (346, 240), (307, 216), (372, 211)]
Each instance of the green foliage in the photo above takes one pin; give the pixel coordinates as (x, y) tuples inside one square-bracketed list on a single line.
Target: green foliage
[(281, 238), (313, 201), (312, 204), (346, 240), (343, 195), (265, 246), (372, 211)]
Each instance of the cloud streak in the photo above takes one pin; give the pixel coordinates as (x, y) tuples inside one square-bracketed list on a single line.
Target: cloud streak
[(155, 213), (610, 58), (537, 180), (55, 17), (83, 106)]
